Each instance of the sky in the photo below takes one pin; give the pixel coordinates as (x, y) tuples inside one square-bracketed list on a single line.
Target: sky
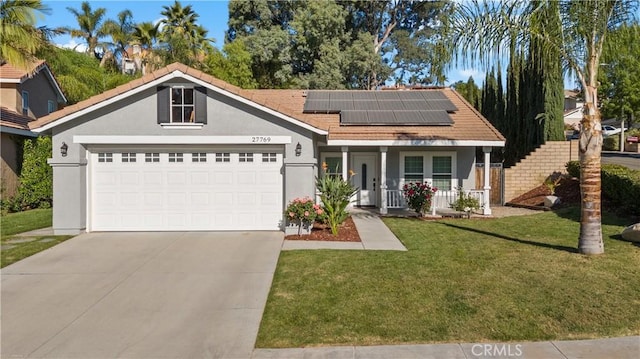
[(213, 16)]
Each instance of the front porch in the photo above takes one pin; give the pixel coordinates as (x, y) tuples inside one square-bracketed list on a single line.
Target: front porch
[(380, 172)]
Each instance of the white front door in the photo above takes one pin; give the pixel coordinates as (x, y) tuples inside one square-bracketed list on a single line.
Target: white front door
[(364, 166)]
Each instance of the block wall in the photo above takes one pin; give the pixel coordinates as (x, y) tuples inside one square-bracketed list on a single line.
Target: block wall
[(532, 170)]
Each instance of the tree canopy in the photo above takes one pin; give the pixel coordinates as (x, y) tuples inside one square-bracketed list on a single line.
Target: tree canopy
[(340, 44)]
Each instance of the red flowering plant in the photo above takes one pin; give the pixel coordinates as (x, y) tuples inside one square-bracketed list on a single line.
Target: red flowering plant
[(418, 196), (303, 212)]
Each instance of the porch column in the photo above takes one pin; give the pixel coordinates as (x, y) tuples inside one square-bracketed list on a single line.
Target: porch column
[(345, 157), (487, 180), (383, 180)]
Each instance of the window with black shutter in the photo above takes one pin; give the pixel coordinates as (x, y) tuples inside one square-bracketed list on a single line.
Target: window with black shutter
[(182, 105)]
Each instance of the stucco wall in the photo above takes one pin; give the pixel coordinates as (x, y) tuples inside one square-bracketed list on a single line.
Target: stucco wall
[(8, 96), (40, 92), (137, 116)]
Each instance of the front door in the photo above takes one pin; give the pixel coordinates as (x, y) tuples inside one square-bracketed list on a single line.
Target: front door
[(365, 178)]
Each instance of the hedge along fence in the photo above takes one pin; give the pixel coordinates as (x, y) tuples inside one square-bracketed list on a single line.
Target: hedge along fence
[(619, 183)]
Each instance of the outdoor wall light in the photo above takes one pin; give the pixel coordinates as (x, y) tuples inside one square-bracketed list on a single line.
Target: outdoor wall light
[(63, 149), (298, 149)]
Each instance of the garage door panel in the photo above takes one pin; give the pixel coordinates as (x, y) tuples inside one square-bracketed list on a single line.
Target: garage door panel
[(200, 195)]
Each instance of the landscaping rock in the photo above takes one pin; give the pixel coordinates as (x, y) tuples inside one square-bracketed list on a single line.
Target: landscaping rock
[(632, 233), (550, 201)]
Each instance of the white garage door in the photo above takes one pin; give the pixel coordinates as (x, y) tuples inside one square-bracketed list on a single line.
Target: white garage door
[(215, 190)]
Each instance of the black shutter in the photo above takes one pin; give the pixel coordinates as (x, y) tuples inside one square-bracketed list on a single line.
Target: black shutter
[(201, 104), (164, 105)]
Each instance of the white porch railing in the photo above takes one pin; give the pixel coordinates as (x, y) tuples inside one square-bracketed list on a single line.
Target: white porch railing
[(441, 199)]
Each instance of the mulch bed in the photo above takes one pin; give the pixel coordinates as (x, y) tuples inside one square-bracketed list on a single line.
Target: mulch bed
[(568, 191), (347, 232)]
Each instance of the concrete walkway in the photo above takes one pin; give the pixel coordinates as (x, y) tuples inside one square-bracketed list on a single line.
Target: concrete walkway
[(618, 348), (374, 235)]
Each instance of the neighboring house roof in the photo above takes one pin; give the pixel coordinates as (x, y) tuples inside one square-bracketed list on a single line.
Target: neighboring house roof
[(11, 74), (571, 93), (468, 124), (15, 123)]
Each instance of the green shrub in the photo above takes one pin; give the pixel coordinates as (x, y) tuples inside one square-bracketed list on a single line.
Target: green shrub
[(36, 178), (335, 194), (303, 212), (620, 184), (611, 143), (465, 203), (573, 168)]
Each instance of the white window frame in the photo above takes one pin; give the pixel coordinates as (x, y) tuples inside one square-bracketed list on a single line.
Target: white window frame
[(192, 118), (269, 157), (128, 157), (152, 157), (25, 103), (176, 157), (222, 157), (104, 157), (245, 157), (427, 157), (199, 157), (330, 171)]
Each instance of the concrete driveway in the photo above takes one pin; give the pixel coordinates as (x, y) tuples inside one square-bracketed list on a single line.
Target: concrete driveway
[(140, 295)]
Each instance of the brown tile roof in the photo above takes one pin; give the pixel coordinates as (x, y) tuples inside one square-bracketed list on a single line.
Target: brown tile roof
[(7, 71), (9, 118), (468, 123)]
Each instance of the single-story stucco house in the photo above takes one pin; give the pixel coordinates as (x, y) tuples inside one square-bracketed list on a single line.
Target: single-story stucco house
[(181, 150)]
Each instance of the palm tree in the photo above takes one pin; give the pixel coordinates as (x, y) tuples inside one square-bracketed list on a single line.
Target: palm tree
[(121, 32), (145, 35), (480, 30), (20, 38), (184, 39), (89, 27)]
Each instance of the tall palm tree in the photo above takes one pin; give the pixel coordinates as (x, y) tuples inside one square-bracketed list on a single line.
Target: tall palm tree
[(480, 30), (90, 27), (145, 35), (121, 32), (20, 39), (184, 39)]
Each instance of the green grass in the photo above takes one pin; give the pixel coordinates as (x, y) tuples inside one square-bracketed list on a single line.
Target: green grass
[(14, 223), (19, 222), (507, 279), (24, 250)]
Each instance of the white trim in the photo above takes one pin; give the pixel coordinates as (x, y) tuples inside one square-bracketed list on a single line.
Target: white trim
[(455, 143), (162, 80), (182, 126), (182, 140), (11, 81), (427, 166)]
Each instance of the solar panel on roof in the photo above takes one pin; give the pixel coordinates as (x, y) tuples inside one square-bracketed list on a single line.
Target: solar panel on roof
[(341, 96), (416, 105), (390, 105), (354, 117), (408, 117), (316, 106), (383, 107), (363, 96), (433, 95), (436, 118), (387, 95), (365, 105), (340, 105)]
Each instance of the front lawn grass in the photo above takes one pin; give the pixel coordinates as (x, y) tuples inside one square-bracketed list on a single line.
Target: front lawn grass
[(19, 222), (508, 279), (20, 251)]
